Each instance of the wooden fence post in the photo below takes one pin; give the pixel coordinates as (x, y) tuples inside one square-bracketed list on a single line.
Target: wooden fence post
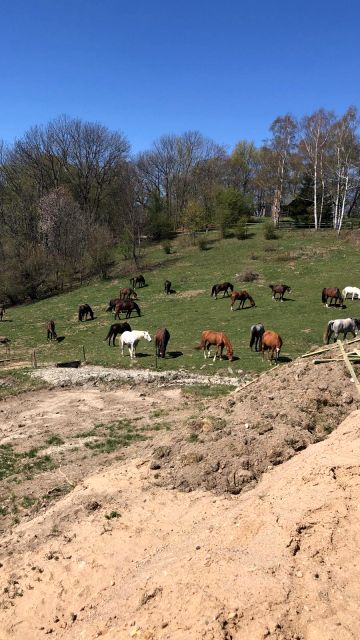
[(84, 354)]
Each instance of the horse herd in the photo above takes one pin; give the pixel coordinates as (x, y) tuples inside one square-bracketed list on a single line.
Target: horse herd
[(263, 340)]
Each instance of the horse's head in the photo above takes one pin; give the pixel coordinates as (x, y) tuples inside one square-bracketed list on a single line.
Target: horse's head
[(252, 301), (356, 322), (147, 336)]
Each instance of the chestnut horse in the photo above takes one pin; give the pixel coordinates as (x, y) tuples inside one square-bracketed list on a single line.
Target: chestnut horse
[(333, 293), (115, 329), (127, 307), (280, 289), (242, 296), (51, 333), (271, 342), (224, 286), (218, 339), (162, 337), (126, 293)]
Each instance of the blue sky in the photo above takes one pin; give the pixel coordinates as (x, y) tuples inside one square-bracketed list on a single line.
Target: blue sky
[(227, 69)]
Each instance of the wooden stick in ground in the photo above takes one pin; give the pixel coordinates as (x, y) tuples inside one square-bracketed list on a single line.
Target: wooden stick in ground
[(349, 366), (330, 346)]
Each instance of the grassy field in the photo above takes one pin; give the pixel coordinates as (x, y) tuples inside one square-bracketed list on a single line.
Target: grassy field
[(305, 260)]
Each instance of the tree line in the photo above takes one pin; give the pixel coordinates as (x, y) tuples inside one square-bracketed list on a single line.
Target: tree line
[(70, 191)]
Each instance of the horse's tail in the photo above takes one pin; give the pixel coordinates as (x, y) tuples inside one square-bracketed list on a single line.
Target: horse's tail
[(328, 331), (213, 291), (109, 334), (271, 286), (80, 314), (252, 337), (323, 296)]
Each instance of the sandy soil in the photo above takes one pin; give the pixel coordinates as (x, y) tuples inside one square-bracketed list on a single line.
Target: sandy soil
[(259, 550)]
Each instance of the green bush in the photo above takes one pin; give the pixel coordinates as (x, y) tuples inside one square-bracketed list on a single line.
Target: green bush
[(202, 244), (240, 229), (167, 247), (269, 231)]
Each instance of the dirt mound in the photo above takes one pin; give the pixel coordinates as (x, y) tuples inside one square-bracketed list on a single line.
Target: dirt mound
[(232, 442), (119, 558)]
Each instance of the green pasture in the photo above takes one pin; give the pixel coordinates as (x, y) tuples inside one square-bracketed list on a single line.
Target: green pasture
[(305, 260)]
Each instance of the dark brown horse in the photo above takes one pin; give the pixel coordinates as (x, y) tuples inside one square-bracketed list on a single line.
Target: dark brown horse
[(126, 293), (242, 296), (117, 329), (112, 304), (162, 337), (220, 340), (2, 312), (127, 307), (138, 280), (84, 311), (224, 286), (51, 333), (332, 293), (167, 287), (271, 341), (280, 289)]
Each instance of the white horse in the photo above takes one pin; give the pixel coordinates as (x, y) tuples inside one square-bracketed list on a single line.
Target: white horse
[(351, 291), (131, 339), (345, 326)]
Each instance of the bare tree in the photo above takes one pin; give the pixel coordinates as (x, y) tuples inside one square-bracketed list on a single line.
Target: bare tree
[(315, 138), (284, 130)]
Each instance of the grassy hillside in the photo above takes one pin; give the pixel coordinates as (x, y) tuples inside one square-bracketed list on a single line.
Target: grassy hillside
[(305, 260)]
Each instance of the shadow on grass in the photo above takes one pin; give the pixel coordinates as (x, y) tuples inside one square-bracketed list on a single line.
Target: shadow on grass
[(60, 338), (175, 354)]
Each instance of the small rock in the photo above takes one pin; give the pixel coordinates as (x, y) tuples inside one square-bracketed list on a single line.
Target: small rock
[(155, 465)]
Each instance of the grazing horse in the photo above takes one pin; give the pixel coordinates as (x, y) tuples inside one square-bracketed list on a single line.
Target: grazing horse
[(51, 333), (256, 331), (2, 312), (280, 289), (167, 287), (128, 292), (84, 311), (220, 340), (351, 291), (127, 307), (333, 293), (271, 342), (345, 326), (225, 286), (162, 337), (242, 296), (131, 339), (138, 280), (115, 329)]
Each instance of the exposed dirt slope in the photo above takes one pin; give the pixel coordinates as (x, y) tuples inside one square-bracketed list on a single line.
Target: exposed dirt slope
[(278, 562)]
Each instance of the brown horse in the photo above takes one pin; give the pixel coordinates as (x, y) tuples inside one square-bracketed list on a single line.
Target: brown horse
[(116, 329), (271, 342), (218, 339), (162, 337), (333, 293), (84, 311), (2, 312), (138, 280), (51, 333), (224, 286), (242, 296), (127, 293), (126, 306), (280, 289)]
